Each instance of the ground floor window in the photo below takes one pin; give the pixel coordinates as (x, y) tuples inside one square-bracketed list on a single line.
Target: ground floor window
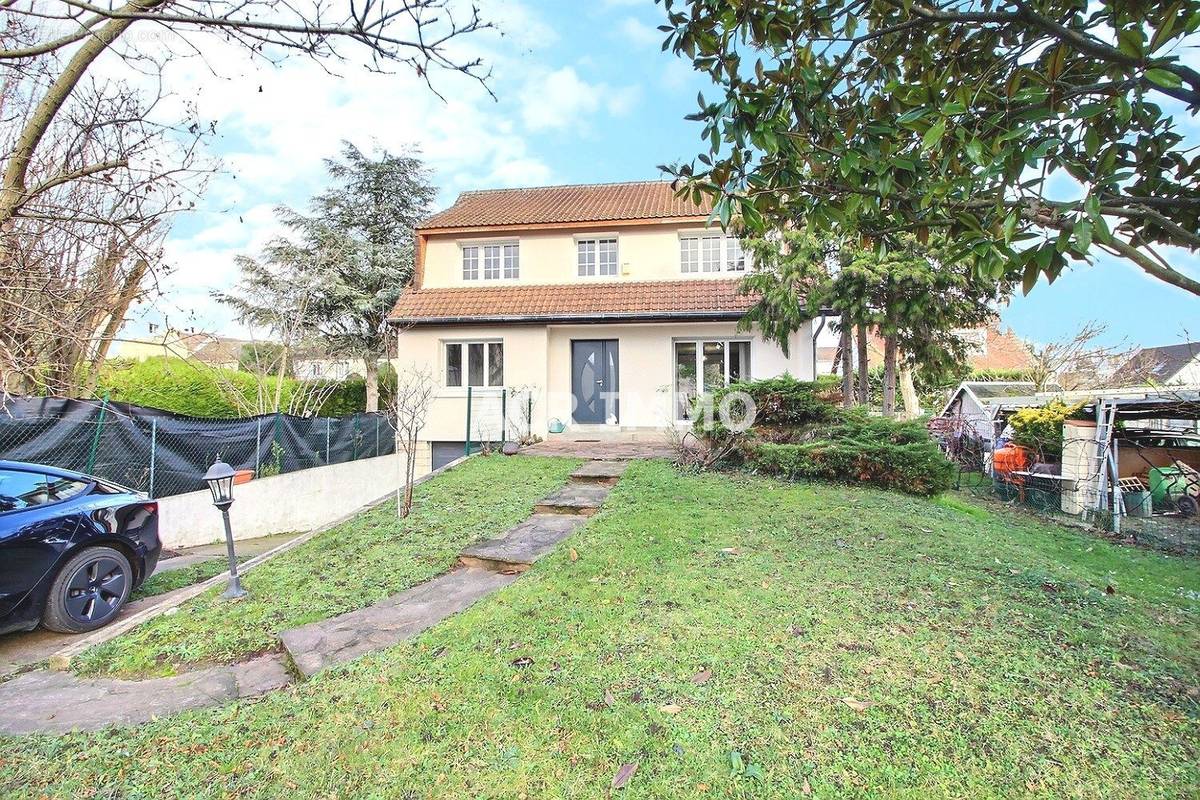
[(705, 365), (474, 363)]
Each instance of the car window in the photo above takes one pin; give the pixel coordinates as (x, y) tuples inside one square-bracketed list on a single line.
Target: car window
[(64, 488), (20, 489)]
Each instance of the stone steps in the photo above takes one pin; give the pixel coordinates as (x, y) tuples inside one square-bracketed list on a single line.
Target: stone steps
[(604, 473), (520, 546), (574, 498)]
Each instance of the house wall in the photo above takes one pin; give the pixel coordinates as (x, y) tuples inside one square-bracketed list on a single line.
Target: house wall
[(537, 364), (645, 252)]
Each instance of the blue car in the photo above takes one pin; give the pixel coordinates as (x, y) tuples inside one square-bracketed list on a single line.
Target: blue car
[(72, 548)]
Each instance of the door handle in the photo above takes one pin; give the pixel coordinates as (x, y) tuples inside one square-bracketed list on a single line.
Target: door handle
[(600, 383)]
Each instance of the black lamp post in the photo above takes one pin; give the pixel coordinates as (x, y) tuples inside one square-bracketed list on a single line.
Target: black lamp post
[(220, 482)]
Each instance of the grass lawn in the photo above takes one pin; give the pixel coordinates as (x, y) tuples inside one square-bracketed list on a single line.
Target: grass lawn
[(348, 567), (732, 637), (169, 581)]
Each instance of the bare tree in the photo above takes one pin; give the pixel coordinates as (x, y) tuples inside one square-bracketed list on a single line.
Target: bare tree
[(409, 408), (1076, 361), (85, 244), (410, 34)]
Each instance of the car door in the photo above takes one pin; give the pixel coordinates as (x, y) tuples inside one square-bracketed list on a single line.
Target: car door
[(36, 527)]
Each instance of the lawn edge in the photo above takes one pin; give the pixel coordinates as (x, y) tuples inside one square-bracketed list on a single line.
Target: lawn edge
[(62, 659)]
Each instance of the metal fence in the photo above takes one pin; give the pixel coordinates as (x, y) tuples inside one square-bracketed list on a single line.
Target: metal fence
[(164, 454), (1088, 497)]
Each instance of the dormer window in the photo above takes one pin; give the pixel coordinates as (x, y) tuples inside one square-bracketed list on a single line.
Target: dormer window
[(710, 252), (596, 256), (493, 261)]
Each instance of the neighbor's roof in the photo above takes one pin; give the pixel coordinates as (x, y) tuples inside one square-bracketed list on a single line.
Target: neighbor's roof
[(595, 202), (647, 300), (1157, 364)]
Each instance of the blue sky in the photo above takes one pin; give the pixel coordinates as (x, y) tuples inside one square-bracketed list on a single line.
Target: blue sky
[(584, 95)]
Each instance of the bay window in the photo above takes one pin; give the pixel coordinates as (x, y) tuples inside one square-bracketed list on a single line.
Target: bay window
[(703, 366), (474, 364)]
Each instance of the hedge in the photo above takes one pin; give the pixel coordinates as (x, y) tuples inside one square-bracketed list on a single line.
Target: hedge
[(1041, 429), (781, 404), (861, 449), (173, 384)]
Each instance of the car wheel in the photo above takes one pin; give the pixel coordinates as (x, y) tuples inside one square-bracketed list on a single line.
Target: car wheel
[(88, 591)]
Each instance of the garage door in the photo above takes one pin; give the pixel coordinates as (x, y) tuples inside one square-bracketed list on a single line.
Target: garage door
[(445, 452)]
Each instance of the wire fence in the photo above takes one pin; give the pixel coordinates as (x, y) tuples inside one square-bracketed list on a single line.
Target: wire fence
[(494, 416), (1145, 495), (164, 454)]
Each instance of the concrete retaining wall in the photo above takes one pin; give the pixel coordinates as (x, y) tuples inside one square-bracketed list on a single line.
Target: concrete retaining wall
[(295, 501)]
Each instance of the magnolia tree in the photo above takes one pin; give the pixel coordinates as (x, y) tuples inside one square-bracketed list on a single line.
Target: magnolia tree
[(1028, 134)]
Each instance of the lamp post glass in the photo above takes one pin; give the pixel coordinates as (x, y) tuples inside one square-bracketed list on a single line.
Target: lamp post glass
[(220, 482)]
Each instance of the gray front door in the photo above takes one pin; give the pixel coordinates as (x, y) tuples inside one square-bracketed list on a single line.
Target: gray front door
[(594, 380)]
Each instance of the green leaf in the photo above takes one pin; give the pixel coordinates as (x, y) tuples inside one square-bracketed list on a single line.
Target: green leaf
[(1030, 277), (1083, 236), (912, 116), (1164, 78), (933, 135)]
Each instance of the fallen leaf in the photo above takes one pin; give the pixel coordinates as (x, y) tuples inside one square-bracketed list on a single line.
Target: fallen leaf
[(609, 699), (805, 788), (574, 554), (1109, 589), (702, 677), (731, 551), (623, 775), (523, 661), (670, 708), (858, 705)]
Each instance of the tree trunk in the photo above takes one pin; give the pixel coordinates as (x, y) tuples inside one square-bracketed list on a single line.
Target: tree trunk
[(889, 375), (372, 380), (116, 316), (908, 391), (864, 385), (847, 357)]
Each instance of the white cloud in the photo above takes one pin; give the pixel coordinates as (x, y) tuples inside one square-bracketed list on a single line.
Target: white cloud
[(561, 99), (640, 33)]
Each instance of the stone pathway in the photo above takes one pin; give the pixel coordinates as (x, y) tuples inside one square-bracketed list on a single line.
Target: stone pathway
[(57, 702), (487, 566), (344, 638), (46, 701)]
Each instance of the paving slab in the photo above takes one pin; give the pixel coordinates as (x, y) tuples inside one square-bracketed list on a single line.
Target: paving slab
[(343, 638), (522, 544), (46, 701), (603, 472), (574, 498)]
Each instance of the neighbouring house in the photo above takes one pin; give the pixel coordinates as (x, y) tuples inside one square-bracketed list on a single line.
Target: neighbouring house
[(597, 307), (990, 349), (1171, 365)]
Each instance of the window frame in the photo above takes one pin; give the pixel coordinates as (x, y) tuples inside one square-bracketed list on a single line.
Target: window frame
[(506, 248), (596, 239), (700, 342), (724, 251), (465, 367)]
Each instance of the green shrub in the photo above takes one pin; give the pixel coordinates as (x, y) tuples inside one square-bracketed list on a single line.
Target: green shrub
[(782, 402), (1041, 429), (857, 448)]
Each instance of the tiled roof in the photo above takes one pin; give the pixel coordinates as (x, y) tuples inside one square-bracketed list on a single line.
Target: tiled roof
[(1157, 364), (595, 202), (678, 299)]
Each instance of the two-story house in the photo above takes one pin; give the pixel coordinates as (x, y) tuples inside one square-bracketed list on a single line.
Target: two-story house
[(609, 306)]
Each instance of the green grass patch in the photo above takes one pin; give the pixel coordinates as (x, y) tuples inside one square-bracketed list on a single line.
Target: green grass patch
[(353, 565), (710, 629), (169, 581)]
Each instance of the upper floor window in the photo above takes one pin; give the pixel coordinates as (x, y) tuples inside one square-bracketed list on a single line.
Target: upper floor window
[(474, 363), (711, 252), (596, 256), (496, 261)]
